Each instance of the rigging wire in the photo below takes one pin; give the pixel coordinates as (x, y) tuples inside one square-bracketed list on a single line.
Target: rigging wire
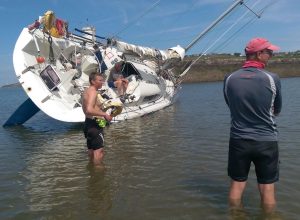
[(234, 24), (233, 35), (177, 17), (210, 27), (210, 46), (137, 18)]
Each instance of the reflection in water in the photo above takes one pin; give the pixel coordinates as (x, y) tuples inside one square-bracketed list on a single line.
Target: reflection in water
[(98, 190), (240, 213), (49, 168)]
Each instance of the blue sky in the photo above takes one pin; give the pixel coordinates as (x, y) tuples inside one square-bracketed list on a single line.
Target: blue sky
[(153, 23)]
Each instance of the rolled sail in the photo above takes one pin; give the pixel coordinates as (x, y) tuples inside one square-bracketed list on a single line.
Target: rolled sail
[(145, 52)]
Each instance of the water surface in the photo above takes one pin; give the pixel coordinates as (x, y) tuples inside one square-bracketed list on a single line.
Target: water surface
[(166, 165)]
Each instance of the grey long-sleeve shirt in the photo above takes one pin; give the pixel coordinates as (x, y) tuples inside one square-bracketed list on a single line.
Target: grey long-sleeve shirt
[(254, 98)]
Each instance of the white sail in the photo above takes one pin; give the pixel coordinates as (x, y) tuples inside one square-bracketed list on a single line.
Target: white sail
[(145, 52)]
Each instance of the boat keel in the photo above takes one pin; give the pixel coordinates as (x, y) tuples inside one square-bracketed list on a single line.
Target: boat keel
[(25, 111)]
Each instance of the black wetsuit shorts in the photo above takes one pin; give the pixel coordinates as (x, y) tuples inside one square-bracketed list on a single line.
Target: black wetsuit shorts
[(93, 134), (263, 154)]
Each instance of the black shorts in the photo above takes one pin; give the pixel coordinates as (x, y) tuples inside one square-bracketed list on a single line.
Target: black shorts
[(264, 155), (93, 134)]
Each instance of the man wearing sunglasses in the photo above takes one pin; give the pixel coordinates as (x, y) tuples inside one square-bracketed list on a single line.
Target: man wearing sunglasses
[(253, 96)]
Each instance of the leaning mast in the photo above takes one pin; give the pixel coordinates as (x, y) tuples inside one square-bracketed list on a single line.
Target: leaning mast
[(213, 24)]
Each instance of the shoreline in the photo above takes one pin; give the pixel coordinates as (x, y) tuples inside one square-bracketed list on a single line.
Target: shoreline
[(213, 68)]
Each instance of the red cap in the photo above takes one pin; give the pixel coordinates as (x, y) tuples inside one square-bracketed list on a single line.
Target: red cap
[(258, 44)]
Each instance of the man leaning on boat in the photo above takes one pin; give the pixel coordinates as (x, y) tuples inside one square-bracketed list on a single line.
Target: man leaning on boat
[(118, 80)]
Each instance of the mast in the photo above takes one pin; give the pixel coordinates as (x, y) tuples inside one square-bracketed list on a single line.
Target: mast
[(214, 24)]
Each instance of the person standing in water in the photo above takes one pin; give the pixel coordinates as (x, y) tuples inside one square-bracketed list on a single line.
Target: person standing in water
[(93, 130), (253, 96)]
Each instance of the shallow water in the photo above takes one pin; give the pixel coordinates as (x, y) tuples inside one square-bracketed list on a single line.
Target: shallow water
[(166, 165)]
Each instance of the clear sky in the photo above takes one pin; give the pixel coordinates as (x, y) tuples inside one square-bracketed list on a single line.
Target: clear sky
[(155, 23)]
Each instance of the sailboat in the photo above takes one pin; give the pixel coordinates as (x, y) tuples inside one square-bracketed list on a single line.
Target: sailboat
[(53, 67)]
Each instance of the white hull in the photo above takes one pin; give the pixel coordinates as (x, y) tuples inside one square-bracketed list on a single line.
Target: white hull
[(61, 99), (53, 67)]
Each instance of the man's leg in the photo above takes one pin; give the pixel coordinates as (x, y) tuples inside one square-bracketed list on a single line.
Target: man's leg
[(91, 153), (267, 171), (98, 156), (236, 193), (119, 86), (267, 194), (125, 83)]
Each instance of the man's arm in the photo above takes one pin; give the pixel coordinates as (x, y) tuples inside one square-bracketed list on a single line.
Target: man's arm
[(224, 89), (278, 98)]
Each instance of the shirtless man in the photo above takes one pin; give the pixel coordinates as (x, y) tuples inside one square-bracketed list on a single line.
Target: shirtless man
[(92, 110)]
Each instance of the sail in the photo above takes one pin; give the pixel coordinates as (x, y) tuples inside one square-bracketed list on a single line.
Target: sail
[(146, 52)]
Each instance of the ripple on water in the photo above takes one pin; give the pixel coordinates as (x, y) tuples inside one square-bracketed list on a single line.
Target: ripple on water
[(167, 165)]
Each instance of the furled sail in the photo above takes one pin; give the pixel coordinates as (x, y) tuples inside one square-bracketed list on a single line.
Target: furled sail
[(167, 57), (146, 52)]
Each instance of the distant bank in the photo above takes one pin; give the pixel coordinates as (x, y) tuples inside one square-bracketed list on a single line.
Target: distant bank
[(212, 68)]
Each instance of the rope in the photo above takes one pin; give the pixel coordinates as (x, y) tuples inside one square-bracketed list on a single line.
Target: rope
[(51, 53)]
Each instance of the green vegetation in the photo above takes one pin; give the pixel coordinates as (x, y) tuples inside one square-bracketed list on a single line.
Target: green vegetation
[(213, 67)]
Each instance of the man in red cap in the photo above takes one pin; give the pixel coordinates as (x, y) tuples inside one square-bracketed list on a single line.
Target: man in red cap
[(253, 96)]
